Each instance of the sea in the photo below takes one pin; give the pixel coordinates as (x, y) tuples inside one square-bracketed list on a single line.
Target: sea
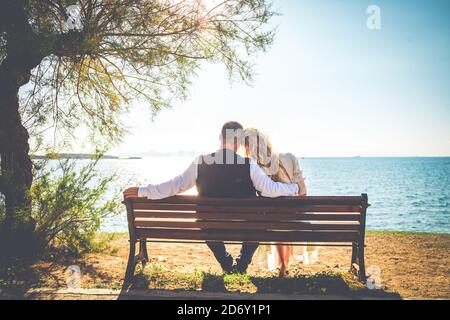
[(405, 193)]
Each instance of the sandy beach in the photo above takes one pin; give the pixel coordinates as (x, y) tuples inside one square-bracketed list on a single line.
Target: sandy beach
[(412, 266)]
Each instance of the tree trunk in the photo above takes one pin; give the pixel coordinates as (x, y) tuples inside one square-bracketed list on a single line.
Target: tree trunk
[(22, 55), (16, 166)]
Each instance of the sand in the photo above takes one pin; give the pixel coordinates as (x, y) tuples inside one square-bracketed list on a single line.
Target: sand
[(414, 266)]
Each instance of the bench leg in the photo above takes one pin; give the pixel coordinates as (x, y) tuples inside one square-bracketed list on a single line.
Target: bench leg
[(129, 274), (357, 266), (143, 252), (361, 263), (354, 253), (354, 257)]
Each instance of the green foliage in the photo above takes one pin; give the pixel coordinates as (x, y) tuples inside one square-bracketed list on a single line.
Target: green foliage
[(133, 50), (102, 243), (87, 74), (68, 204)]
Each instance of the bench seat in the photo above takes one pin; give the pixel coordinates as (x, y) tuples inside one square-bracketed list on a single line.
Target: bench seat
[(323, 220)]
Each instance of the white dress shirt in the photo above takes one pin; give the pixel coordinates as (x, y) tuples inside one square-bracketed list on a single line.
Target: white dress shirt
[(185, 181)]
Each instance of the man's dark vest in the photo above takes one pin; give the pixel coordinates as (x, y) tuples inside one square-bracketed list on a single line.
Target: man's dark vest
[(224, 174)]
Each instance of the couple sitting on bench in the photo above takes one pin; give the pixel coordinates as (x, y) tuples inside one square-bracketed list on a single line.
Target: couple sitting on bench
[(226, 174)]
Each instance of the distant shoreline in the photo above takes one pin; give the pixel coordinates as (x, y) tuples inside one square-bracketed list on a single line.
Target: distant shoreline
[(79, 156)]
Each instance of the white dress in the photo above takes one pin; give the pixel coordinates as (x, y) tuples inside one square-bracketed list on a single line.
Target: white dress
[(267, 255)]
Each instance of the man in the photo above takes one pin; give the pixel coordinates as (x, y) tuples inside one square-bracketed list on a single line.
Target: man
[(222, 174)]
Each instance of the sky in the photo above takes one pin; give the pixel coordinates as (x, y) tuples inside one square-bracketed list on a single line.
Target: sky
[(329, 86)]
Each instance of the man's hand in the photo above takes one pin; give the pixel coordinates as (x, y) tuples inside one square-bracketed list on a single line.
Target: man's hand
[(131, 192)]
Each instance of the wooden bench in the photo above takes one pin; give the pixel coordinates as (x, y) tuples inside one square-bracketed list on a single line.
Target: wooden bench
[(324, 221)]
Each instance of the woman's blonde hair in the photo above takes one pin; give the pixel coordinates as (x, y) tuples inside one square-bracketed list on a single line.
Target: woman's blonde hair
[(258, 146)]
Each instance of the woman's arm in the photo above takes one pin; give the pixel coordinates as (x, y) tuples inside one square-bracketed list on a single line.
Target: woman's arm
[(298, 175), (267, 186)]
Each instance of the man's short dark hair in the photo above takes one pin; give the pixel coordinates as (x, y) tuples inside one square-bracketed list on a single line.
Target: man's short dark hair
[(231, 126), (232, 132)]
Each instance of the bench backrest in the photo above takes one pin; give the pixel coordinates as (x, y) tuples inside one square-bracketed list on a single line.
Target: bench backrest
[(287, 219)]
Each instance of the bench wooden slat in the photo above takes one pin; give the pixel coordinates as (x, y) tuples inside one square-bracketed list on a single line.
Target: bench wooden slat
[(247, 225), (280, 208), (159, 206), (249, 216), (256, 201), (243, 209), (225, 235)]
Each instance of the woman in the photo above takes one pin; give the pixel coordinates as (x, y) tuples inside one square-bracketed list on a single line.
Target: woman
[(281, 167)]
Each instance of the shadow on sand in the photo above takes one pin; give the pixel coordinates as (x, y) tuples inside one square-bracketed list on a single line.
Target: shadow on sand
[(212, 286)]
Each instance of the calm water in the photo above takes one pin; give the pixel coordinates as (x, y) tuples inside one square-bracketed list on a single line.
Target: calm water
[(406, 194)]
